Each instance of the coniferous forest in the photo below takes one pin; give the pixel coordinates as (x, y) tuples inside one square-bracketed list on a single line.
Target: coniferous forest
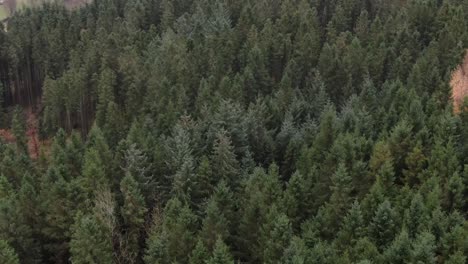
[(234, 131)]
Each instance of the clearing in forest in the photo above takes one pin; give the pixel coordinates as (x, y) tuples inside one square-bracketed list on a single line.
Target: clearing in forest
[(459, 83)]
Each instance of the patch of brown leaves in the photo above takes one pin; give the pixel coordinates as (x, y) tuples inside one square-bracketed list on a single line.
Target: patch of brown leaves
[(459, 84), (34, 144)]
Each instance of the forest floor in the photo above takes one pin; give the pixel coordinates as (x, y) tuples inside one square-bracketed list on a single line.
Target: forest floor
[(35, 145), (459, 84)]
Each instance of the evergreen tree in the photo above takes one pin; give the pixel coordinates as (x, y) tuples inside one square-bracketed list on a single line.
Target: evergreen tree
[(215, 225), (8, 254), (341, 191), (91, 242), (224, 163), (220, 254), (423, 249), (199, 254), (296, 252), (416, 218), (175, 240), (18, 126), (94, 172), (456, 258), (133, 213), (383, 226), (188, 105), (276, 235), (400, 249), (353, 227)]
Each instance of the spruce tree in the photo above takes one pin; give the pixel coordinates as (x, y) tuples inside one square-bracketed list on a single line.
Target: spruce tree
[(423, 249), (383, 226), (7, 254), (91, 242), (223, 160), (221, 254), (215, 225), (199, 254), (399, 250), (133, 213), (18, 127), (175, 240), (275, 237)]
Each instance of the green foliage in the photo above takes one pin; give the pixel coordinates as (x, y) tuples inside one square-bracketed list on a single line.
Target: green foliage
[(175, 239), (18, 127), (91, 241), (222, 131), (384, 224), (133, 213), (8, 254), (199, 254), (220, 254)]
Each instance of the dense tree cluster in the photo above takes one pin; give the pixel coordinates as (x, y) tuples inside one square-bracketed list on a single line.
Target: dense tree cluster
[(225, 131)]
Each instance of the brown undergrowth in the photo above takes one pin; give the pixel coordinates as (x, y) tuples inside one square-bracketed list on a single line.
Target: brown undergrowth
[(459, 84), (35, 145)]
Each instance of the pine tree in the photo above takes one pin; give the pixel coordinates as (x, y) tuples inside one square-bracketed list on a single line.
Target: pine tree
[(203, 187), (115, 126), (415, 163), (353, 227), (296, 253), (133, 213), (416, 219), (262, 191), (223, 160), (137, 165), (221, 254), (456, 258), (386, 177), (215, 225), (175, 240), (297, 198), (275, 237), (399, 250), (199, 254), (106, 84), (365, 250), (423, 249), (56, 196), (94, 172), (341, 191), (7, 254), (456, 196), (91, 242), (14, 232), (18, 126), (97, 141), (354, 62), (183, 182), (383, 226)]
